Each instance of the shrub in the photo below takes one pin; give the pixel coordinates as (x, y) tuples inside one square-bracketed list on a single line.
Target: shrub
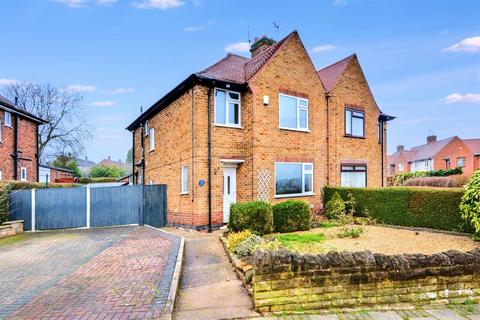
[(292, 215), (400, 178), (102, 171), (413, 207), (335, 207), (271, 245), (470, 203), (443, 182), (256, 216), (96, 180), (235, 238), (350, 232), (247, 246)]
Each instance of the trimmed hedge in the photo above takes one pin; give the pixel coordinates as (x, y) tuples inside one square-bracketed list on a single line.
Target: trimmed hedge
[(96, 180), (412, 207), (255, 216), (292, 215)]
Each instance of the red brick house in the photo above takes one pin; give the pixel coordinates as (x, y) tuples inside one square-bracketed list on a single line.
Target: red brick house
[(270, 127), (18, 142), (436, 154)]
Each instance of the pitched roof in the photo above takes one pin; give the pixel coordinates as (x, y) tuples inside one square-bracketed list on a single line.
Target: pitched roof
[(331, 74), (474, 145), (429, 150), (7, 104)]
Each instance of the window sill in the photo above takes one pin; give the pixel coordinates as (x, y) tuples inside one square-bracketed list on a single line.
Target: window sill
[(8, 126), (184, 193), (227, 126), (293, 129), (150, 151), (354, 137), (296, 195)]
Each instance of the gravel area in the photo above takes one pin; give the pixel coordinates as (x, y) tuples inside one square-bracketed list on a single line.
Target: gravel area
[(387, 240)]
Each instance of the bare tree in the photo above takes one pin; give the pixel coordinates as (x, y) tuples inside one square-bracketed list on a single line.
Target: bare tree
[(66, 130)]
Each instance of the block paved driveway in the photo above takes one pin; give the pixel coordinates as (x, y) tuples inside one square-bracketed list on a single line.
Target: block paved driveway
[(108, 273)]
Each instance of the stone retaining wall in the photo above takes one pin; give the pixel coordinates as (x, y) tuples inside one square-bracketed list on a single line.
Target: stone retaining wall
[(11, 228), (286, 281)]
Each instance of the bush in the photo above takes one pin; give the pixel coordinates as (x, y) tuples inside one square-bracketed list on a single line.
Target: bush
[(443, 182), (235, 238), (247, 246), (335, 207), (412, 207), (96, 180), (256, 216), (470, 203), (400, 178), (292, 215), (350, 232), (101, 171)]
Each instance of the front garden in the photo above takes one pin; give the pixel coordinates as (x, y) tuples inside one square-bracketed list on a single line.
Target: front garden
[(379, 248)]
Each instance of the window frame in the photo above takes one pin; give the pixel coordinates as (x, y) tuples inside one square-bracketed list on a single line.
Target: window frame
[(151, 142), (227, 109), (1, 175), (352, 111), (1, 131), (401, 167), (354, 165), (146, 129), (184, 179), (464, 160), (9, 122), (304, 172), (298, 108), (23, 170)]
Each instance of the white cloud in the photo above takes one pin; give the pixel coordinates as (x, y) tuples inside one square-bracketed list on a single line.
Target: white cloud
[(103, 103), (80, 88), (471, 45), (7, 82), (73, 3), (238, 47), (118, 91), (323, 48), (158, 4), (459, 98), (339, 2), (198, 28)]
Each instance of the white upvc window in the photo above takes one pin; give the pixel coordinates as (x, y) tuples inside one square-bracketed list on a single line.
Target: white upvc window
[(353, 176), (293, 179), (1, 176), (460, 162), (227, 108), (400, 167), (146, 129), (293, 112), (422, 165), (184, 179), (152, 139), (1, 131), (8, 119), (23, 175)]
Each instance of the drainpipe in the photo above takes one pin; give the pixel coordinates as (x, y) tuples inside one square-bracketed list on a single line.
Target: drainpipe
[(133, 157), (327, 96), (15, 147), (209, 160), (382, 125), (36, 155)]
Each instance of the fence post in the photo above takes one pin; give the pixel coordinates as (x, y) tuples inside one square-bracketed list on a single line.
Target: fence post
[(88, 206), (33, 210)]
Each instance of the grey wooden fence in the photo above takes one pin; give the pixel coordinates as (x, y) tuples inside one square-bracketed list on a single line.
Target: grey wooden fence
[(87, 207)]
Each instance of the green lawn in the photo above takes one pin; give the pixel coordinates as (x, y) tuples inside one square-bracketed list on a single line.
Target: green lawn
[(302, 241)]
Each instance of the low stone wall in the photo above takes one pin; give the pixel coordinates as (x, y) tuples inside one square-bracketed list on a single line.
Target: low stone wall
[(286, 281), (11, 228)]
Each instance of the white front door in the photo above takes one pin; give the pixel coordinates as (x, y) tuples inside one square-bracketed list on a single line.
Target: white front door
[(229, 191)]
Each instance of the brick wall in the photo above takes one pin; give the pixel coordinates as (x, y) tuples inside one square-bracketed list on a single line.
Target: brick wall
[(27, 147), (286, 281), (454, 149)]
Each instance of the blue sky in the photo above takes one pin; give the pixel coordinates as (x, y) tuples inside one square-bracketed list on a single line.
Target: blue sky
[(421, 58)]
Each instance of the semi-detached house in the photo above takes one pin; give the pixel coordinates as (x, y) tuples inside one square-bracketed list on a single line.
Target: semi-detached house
[(270, 127)]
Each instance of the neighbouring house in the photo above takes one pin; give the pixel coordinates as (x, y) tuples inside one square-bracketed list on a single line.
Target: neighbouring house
[(109, 162), (436, 154), (18, 142), (54, 174), (85, 165), (270, 127)]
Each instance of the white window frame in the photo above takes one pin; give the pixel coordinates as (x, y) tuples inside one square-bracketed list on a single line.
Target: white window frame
[(146, 129), (8, 116), (299, 107), (1, 136), (354, 170), (23, 170), (1, 175), (401, 167), (184, 183), (463, 162), (304, 172), (227, 109), (151, 141)]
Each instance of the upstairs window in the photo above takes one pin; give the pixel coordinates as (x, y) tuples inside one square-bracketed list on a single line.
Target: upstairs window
[(460, 162), (146, 128), (8, 119), (152, 139), (293, 112), (354, 123), (23, 174), (227, 108)]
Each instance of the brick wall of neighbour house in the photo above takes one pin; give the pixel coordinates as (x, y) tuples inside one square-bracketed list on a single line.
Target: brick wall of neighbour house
[(27, 146), (290, 72), (454, 149), (285, 281), (58, 174), (352, 90), (401, 159)]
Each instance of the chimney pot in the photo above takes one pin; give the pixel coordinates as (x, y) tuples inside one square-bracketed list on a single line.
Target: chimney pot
[(400, 148), (261, 44), (109, 158), (16, 101), (431, 139)]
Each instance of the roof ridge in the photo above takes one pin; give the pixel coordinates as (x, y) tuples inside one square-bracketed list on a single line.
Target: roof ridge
[(339, 61), (217, 63)]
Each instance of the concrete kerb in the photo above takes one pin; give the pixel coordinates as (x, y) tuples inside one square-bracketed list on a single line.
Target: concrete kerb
[(170, 303)]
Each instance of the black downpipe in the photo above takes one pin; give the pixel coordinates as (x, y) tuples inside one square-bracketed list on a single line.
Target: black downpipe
[(133, 159), (327, 96), (209, 161), (15, 147), (38, 158), (382, 125)]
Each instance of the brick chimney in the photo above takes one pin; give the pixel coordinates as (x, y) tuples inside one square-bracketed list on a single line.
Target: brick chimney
[(400, 148), (261, 44), (109, 158), (431, 139)]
